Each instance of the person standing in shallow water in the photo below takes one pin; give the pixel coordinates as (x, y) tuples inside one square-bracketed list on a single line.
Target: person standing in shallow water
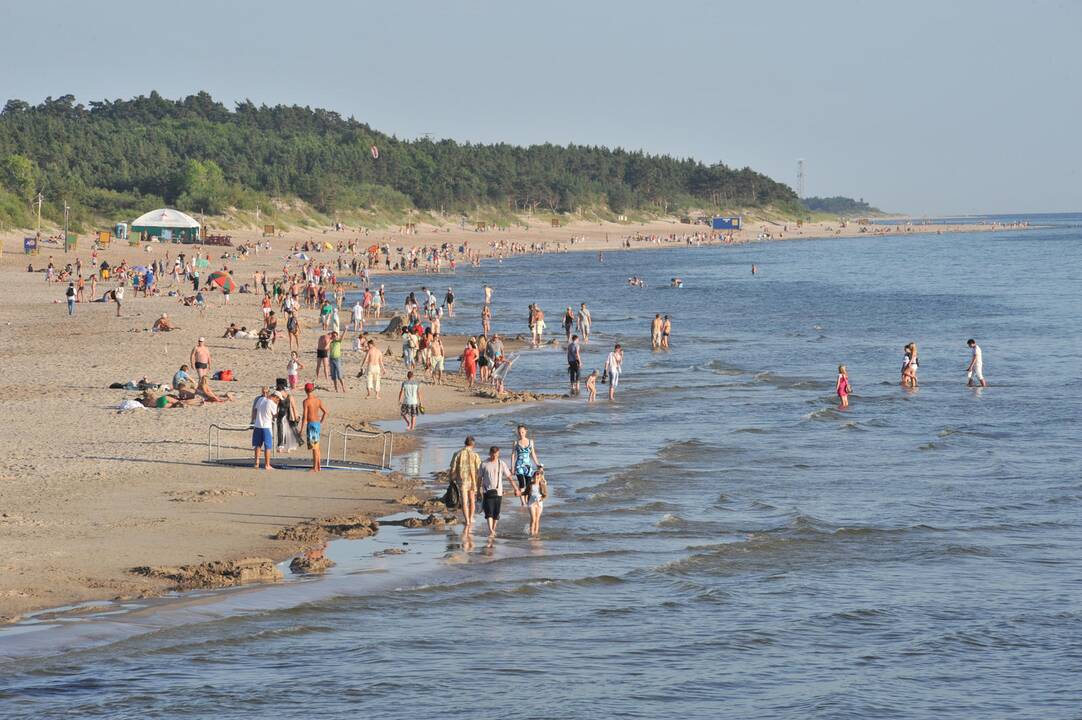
[(493, 472), (464, 466), (574, 364), (524, 459), (975, 369), (535, 499), (842, 387), (614, 364), (584, 321)]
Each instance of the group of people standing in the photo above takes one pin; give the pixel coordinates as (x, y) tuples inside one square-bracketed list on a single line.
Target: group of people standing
[(472, 479), (910, 366)]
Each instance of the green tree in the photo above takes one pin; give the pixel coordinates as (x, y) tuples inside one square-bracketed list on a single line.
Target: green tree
[(202, 187), (19, 175)]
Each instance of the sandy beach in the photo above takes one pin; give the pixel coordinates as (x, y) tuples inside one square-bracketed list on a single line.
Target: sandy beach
[(87, 493)]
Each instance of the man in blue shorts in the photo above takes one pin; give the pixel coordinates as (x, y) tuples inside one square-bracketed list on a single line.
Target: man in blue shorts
[(263, 411), (312, 418)]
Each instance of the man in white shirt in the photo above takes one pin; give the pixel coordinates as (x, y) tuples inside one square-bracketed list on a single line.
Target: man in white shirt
[(263, 411), (976, 365), (614, 363), (493, 472), (358, 316)]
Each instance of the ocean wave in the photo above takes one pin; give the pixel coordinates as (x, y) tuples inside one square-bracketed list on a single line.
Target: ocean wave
[(719, 368), (784, 382), (827, 413)]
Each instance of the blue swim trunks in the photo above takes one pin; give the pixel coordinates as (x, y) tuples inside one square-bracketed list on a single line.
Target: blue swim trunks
[(262, 438), (312, 431)]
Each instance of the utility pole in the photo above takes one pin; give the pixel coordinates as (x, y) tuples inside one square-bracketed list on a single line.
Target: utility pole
[(39, 198), (66, 210)]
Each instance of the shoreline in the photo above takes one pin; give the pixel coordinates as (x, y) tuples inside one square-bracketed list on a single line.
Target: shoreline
[(94, 622), (89, 494)]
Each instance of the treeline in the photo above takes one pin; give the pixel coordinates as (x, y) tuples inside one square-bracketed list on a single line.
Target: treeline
[(840, 205), (116, 158)]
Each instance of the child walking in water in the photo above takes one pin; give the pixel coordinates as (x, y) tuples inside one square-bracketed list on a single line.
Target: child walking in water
[(843, 388), (591, 386), (539, 491)]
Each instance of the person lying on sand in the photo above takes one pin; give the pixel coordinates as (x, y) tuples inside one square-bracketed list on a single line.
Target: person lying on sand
[(152, 400), (164, 324), (209, 395)]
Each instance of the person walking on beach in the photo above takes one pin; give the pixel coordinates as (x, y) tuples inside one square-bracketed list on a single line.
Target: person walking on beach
[(463, 470), (373, 369), (574, 364), (437, 356), (334, 352), (313, 428), (293, 369), (524, 459), (118, 297), (975, 369), (535, 499), (323, 349), (614, 364), (843, 388), (493, 472), (200, 357), (409, 400), (293, 328), (70, 295), (469, 363), (263, 411)]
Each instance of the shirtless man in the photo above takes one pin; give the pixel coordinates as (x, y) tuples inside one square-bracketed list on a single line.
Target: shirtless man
[(655, 332), (373, 368), (313, 408), (666, 328), (437, 355), (164, 324), (488, 295), (200, 357), (584, 321), (323, 349)]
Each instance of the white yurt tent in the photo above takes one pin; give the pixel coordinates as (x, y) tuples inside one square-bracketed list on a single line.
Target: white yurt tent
[(167, 224)]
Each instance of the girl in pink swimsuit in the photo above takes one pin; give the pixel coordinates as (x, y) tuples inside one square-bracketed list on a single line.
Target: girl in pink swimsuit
[(843, 388)]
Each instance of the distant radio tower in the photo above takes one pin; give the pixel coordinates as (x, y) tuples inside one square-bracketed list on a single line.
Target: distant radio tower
[(800, 178)]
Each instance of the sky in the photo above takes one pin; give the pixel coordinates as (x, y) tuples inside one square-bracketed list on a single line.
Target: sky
[(920, 107)]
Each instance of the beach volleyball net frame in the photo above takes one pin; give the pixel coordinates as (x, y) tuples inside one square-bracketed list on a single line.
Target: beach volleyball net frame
[(335, 439)]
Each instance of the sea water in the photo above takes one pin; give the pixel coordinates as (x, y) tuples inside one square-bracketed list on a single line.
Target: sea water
[(722, 541)]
